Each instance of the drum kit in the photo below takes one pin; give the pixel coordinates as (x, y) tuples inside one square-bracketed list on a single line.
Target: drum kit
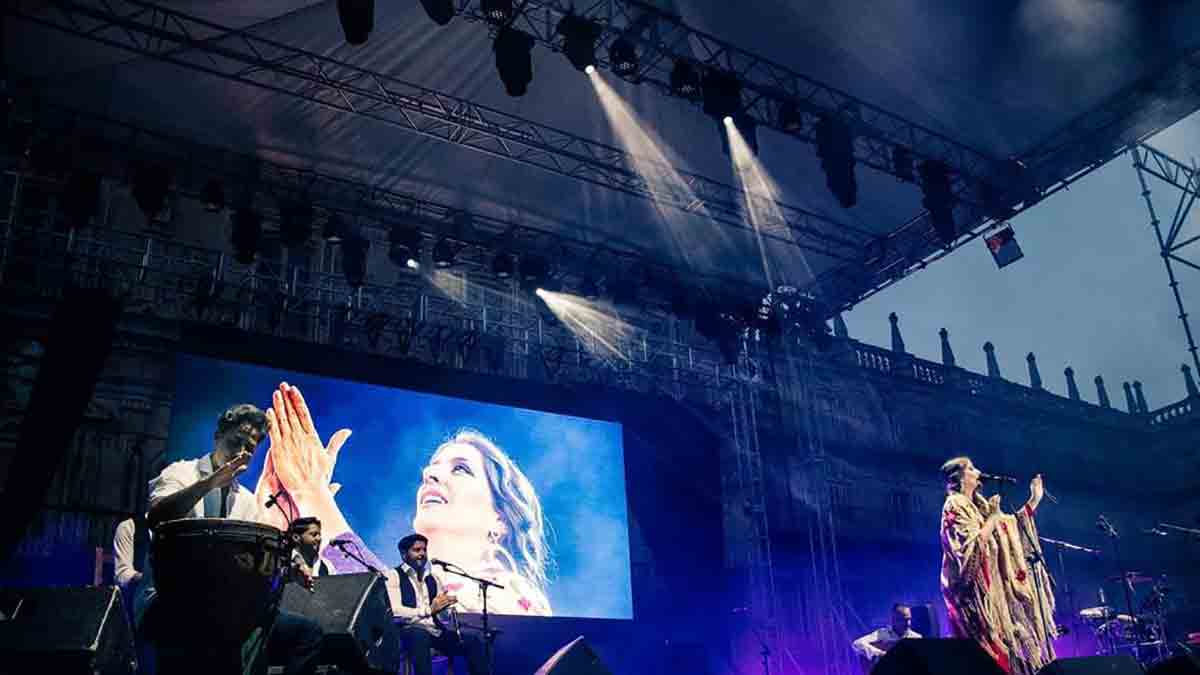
[(1141, 633)]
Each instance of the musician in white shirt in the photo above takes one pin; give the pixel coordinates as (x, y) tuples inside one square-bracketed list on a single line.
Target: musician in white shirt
[(876, 643), (425, 611)]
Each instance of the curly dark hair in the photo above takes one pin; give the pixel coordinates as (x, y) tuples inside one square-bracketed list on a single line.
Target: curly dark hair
[(236, 416)]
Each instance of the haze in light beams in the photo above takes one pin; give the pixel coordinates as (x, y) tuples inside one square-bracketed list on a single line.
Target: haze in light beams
[(598, 327), (761, 203), (651, 162)]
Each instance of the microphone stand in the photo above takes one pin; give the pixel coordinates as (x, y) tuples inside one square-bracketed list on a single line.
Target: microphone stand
[(1069, 590), (343, 548), (1179, 528), (489, 635), (1126, 587)]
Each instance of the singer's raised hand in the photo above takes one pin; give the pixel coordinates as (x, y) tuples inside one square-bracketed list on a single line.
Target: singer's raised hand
[(1036, 491)]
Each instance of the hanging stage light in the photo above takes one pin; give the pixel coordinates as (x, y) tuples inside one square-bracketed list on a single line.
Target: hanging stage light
[(497, 11), (213, 196), (295, 223), (150, 185), (404, 246), (745, 126), (358, 18), (722, 93), (444, 252), (247, 233), (535, 271), (354, 257), (513, 60), (939, 199), (623, 57), (835, 147), (441, 11), (579, 40), (334, 229), (503, 264), (685, 81)]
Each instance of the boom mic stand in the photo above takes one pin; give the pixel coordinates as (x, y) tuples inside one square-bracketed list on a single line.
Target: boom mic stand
[(1068, 589), (489, 635)]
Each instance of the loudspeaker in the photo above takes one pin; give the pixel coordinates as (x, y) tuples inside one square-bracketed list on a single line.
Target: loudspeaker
[(936, 657), (65, 631), (575, 658), (356, 615), (1094, 665), (1182, 664)]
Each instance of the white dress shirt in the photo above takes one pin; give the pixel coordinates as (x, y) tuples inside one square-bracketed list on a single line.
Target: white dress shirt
[(422, 614), (123, 543), (240, 504), (864, 646)]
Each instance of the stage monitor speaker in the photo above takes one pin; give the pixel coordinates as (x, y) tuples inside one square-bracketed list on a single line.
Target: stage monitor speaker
[(936, 657), (1182, 664), (1094, 665), (575, 658), (65, 631), (356, 615)]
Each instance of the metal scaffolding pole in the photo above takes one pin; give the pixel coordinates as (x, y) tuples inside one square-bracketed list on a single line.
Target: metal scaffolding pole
[(1148, 161)]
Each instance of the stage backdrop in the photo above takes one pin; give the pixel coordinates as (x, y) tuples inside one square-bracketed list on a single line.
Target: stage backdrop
[(576, 466)]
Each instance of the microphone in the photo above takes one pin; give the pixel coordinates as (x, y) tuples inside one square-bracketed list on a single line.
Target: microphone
[(1156, 532), (997, 478), (274, 499), (1106, 527), (441, 563), (340, 542)]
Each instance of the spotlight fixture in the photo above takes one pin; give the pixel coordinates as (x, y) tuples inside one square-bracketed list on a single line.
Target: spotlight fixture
[(579, 40), (939, 199), (503, 264), (80, 197), (791, 119), (354, 257), (535, 270), (497, 11), (685, 81), (589, 288), (334, 229), (444, 252), (358, 19), (623, 57), (722, 93), (213, 196), (247, 234), (513, 60), (404, 246), (150, 185), (902, 164), (743, 125), (440, 11), (835, 147), (295, 223)]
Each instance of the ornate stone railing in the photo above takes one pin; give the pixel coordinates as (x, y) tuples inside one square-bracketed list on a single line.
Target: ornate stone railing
[(1182, 411)]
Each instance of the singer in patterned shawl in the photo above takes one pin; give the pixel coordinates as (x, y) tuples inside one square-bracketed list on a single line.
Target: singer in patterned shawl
[(994, 594)]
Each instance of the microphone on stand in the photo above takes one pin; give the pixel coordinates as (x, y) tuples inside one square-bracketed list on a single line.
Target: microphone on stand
[(274, 499), (442, 563), (1156, 532), (340, 542), (997, 478)]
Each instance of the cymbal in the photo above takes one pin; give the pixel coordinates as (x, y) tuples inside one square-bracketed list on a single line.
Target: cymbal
[(1133, 578)]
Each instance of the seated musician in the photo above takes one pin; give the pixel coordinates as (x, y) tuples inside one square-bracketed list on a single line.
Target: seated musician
[(306, 537), (208, 487), (876, 643), (424, 610)]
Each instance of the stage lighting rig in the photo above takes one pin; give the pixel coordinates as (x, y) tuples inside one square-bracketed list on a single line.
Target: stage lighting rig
[(498, 12), (334, 229), (790, 117), (685, 81), (246, 235), (440, 11), (404, 246), (295, 223), (358, 19), (589, 288), (835, 147), (445, 250), (150, 186), (503, 264), (213, 196), (579, 40), (513, 60), (939, 199), (624, 58), (790, 312), (355, 247), (902, 164), (535, 271), (722, 93), (745, 126)]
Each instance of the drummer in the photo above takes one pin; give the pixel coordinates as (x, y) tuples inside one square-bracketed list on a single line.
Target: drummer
[(208, 487)]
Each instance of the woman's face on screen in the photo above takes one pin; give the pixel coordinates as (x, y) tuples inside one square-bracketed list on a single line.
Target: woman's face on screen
[(454, 496)]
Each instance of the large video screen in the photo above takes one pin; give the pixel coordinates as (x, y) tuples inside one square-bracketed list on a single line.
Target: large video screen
[(533, 500)]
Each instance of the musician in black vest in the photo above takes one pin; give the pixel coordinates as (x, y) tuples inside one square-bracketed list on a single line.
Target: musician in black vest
[(424, 609)]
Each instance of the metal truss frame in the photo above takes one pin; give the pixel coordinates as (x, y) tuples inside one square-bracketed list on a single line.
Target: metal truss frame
[(1148, 161), (662, 39), (158, 32)]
